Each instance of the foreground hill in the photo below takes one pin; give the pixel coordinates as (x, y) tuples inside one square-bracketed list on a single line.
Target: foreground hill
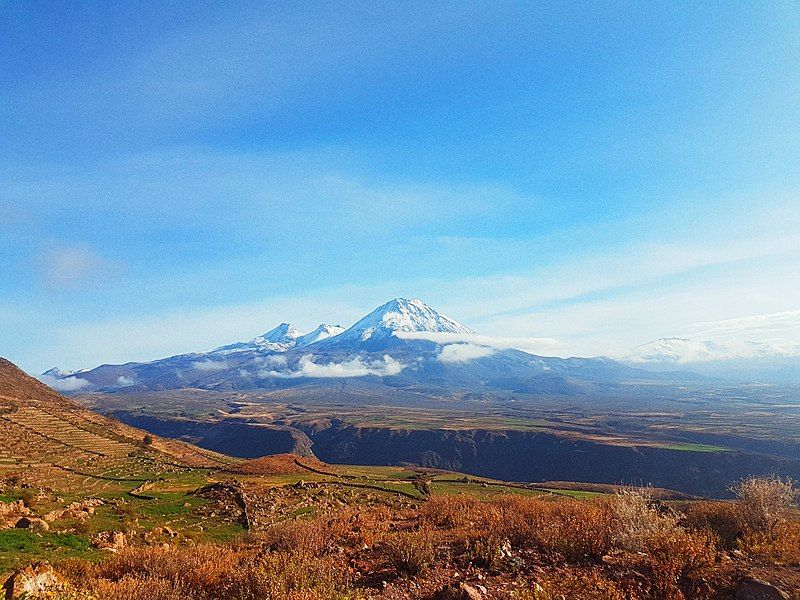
[(42, 430)]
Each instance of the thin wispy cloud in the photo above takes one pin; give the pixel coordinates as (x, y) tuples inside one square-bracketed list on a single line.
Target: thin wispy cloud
[(69, 266)]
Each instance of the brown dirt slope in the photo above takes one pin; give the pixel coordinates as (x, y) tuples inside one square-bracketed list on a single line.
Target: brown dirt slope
[(280, 464), (40, 429)]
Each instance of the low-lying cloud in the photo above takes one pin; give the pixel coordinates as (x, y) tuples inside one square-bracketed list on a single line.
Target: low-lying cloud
[(355, 367), (210, 365), (68, 384), (461, 352), (542, 346)]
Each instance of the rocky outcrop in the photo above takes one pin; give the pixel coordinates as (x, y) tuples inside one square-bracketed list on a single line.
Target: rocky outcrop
[(32, 523), (36, 581), (10, 513), (756, 589), (110, 540)]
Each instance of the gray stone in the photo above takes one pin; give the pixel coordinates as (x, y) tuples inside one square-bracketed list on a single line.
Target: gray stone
[(756, 589)]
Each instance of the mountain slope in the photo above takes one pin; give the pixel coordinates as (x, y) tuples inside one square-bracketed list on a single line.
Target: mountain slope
[(41, 429)]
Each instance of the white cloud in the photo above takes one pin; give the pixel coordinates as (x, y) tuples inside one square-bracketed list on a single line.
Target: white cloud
[(70, 266), (782, 324), (69, 384), (453, 353), (125, 381), (273, 360), (210, 365), (356, 367), (534, 345)]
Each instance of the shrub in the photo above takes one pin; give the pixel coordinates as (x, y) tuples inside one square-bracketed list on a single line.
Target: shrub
[(289, 575), (298, 536), (576, 529), (781, 545), (580, 585), (454, 512), (680, 560), (763, 501), (410, 552), (199, 569), (486, 550), (720, 518), (634, 520)]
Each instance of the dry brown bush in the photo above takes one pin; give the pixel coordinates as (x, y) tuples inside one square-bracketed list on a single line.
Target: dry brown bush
[(682, 564), (580, 585), (763, 501), (129, 588), (410, 552), (307, 537), (202, 568), (635, 519), (216, 573), (455, 512), (720, 518), (576, 529), (290, 576), (781, 545)]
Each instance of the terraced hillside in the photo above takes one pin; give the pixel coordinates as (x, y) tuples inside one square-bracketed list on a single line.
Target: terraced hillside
[(44, 433)]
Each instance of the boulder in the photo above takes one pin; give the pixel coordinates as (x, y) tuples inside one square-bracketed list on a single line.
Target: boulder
[(756, 589), (110, 540), (32, 523), (35, 581)]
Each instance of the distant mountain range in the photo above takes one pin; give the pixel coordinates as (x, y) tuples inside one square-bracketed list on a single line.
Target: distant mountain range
[(407, 344), (403, 343), (731, 359)]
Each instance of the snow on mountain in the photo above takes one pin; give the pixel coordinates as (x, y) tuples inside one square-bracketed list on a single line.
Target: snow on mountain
[(280, 339), (322, 332), (398, 315), (56, 372), (679, 351)]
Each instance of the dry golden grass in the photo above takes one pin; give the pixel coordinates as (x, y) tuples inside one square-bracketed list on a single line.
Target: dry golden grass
[(612, 548)]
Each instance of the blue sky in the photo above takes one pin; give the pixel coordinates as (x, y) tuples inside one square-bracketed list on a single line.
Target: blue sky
[(177, 176)]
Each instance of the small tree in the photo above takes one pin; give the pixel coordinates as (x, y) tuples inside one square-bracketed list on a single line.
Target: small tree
[(763, 501), (147, 440)]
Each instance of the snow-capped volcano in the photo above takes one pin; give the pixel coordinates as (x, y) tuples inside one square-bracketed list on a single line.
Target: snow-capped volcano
[(398, 315)]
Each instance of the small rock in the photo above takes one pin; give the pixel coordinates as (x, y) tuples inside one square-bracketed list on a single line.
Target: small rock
[(459, 591), (756, 589)]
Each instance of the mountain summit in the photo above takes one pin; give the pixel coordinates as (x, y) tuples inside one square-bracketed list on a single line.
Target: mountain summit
[(375, 331)]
